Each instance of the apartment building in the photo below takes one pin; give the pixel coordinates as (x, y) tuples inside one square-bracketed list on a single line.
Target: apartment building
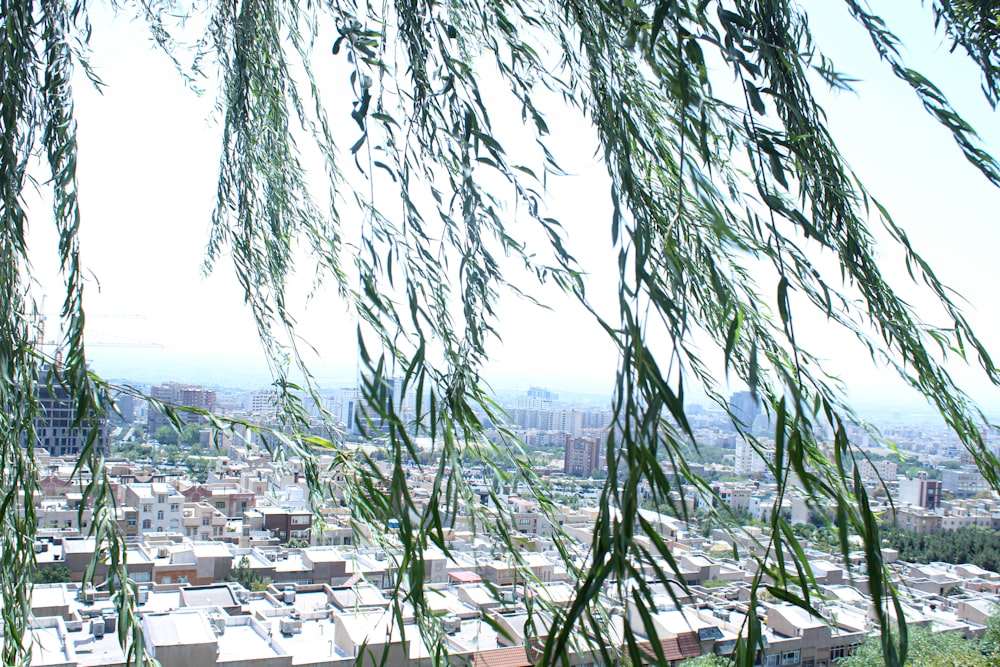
[(582, 457), (964, 482), (160, 507), (287, 524), (921, 492), (177, 394), (202, 521), (230, 499), (918, 520), (56, 427)]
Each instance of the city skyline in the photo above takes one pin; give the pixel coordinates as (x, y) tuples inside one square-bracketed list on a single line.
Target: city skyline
[(144, 231)]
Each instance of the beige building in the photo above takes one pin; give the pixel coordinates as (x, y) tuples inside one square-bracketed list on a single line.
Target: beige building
[(874, 472), (160, 506), (202, 521), (798, 638), (918, 520)]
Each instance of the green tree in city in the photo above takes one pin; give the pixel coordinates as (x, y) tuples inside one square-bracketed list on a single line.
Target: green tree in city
[(245, 576), (990, 644), (199, 467), (131, 450), (707, 660), (733, 217), (971, 544), (165, 435), (52, 574), (190, 434), (926, 649)]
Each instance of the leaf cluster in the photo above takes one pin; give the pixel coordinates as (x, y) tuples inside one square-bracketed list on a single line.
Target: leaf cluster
[(727, 193)]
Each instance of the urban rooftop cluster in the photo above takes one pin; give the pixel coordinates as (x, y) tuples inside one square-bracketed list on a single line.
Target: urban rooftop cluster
[(235, 567)]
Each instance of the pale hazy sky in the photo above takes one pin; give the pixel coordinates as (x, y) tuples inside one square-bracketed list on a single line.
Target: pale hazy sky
[(148, 173)]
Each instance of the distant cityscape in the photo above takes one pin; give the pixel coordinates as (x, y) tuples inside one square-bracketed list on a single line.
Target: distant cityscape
[(235, 567)]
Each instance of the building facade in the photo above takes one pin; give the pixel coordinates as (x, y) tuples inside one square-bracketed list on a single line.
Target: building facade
[(57, 429), (160, 507), (582, 457), (177, 394)]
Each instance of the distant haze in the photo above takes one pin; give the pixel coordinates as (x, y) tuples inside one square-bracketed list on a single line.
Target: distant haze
[(148, 172)]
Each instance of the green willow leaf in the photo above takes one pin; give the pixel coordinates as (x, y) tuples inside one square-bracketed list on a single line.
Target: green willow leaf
[(719, 202)]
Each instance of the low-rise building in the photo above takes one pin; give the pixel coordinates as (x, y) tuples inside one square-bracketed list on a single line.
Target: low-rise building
[(202, 521), (160, 507)]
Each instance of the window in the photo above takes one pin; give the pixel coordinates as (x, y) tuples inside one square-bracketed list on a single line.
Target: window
[(838, 652), (147, 508), (175, 507), (161, 499), (789, 658), (130, 522), (206, 520), (147, 524), (773, 659), (159, 515)]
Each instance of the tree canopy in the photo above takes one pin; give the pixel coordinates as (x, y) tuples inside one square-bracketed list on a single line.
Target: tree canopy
[(727, 189), (979, 546), (933, 649)]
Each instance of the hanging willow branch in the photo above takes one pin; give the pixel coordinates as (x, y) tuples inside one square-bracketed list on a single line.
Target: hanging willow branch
[(708, 189)]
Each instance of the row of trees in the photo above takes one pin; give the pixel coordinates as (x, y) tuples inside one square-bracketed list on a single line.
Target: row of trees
[(927, 649), (935, 649), (198, 460), (188, 436), (978, 546)]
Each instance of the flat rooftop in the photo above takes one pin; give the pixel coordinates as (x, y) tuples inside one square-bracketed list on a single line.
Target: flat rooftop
[(208, 596), (310, 646), (293, 563), (474, 635), (160, 601), (212, 550), (47, 648), (178, 629), (245, 643), (49, 596), (311, 601), (263, 605), (96, 653)]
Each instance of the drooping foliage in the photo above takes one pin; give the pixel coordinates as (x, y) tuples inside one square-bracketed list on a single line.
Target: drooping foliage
[(974, 25), (726, 185)]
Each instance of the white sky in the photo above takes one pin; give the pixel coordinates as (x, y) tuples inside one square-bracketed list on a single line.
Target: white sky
[(148, 171)]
